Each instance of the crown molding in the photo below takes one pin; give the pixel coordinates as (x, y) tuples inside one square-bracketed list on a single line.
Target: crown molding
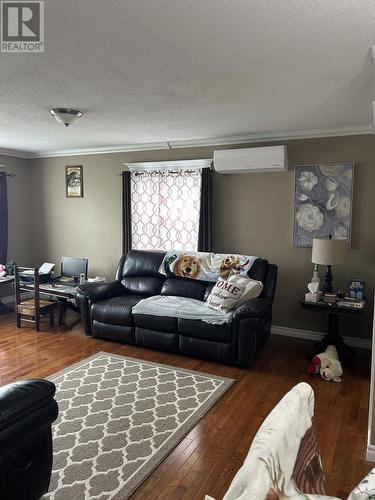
[(194, 143), (275, 136), (15, 153), (126, 148)]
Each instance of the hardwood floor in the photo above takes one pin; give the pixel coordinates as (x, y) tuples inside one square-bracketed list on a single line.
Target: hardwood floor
[(209, 456)]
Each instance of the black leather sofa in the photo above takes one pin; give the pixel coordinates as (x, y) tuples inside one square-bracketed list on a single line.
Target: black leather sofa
[(106, 311), (27, 410)]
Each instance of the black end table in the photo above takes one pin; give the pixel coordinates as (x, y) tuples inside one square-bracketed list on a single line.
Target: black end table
[(345, 353)]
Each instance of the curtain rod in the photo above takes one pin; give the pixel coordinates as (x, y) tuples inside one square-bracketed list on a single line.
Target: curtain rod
[(141, 172)]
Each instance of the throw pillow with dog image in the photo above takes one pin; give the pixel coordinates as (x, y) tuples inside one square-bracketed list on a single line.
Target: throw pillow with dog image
[(225, 295)]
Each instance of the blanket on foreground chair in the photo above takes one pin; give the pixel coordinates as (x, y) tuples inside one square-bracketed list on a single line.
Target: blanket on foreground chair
[(283, 461)]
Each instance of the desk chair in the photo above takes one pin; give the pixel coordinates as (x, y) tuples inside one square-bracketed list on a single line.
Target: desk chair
[(34, 309)]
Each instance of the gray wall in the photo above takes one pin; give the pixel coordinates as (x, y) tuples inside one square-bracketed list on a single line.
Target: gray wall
[(252, 214), (20, 212)]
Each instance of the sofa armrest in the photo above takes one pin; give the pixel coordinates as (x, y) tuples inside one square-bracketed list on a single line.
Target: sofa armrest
[(89, 293), (101, 291), (253, 307), (21, 399)]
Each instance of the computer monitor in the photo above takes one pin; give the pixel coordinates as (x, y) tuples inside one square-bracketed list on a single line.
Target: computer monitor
[(73, 267)]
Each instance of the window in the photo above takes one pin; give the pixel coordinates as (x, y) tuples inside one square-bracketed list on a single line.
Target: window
[(165, 207)]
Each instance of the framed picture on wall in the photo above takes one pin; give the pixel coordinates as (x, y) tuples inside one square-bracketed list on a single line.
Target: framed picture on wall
[(74, 181), (323, 199)]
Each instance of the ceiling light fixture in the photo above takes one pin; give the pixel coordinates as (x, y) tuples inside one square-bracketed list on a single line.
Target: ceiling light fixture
[(66, 115)]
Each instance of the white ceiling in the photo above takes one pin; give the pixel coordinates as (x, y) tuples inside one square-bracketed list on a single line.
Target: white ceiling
[(146, 71)]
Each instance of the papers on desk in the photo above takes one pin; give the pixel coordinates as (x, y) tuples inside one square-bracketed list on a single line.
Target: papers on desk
[(46, 268)]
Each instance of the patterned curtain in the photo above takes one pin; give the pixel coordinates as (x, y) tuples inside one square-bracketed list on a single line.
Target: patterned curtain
[(126, 213), (165, 209), (3, 218), (205, 216)]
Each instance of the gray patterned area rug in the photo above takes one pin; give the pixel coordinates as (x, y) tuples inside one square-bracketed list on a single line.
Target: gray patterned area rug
[(119, 418)]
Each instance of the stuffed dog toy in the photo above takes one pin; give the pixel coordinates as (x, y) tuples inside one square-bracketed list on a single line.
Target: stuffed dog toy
[(327, 364)]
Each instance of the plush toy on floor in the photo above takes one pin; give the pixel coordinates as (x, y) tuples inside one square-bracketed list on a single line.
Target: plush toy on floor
[(327, 364)]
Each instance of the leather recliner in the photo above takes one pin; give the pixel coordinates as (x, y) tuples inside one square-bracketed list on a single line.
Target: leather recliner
[(27, 410), (106, 311)]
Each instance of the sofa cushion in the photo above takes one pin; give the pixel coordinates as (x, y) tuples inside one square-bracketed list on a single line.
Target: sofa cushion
[(118, 333), (184, 288), (258, 270), (217, 351), (143, 285), (201, 330), (157, 340), (115, 311), (160, 323), (142, 263)]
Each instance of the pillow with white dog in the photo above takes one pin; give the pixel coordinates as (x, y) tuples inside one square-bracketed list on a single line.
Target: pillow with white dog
[(231, 293)]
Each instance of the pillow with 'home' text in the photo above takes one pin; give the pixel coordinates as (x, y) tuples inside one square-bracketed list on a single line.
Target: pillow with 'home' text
[(225, 295), (252, 288)]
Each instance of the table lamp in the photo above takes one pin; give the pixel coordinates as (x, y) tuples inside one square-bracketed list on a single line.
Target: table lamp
[(329, 252)]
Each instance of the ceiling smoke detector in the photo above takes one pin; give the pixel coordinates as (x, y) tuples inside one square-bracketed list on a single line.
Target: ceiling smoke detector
[(66, 115)]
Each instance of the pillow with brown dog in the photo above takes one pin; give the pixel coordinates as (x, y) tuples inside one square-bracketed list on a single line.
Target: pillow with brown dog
[(225, 295)]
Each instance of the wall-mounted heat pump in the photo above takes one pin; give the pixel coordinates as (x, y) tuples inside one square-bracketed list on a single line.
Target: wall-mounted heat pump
[(248, 160)]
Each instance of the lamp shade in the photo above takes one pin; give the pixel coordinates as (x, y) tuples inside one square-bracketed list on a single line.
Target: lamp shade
[(329, 252)]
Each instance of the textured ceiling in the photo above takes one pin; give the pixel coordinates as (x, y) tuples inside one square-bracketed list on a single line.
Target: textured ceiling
[(146, 71)]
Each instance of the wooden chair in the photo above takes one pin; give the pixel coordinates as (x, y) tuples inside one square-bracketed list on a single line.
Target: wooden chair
[(34, 309)]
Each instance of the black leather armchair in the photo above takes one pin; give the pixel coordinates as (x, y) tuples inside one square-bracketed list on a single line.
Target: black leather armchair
[(106, 310), (27, 410)]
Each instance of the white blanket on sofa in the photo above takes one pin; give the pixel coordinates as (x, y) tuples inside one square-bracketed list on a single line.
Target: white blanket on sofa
[(181, 307)]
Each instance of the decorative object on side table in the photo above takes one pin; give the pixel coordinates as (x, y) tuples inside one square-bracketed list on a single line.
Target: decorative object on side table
[(74, 181), (313, 295), (356, 289), (329, 252), (322, 202)]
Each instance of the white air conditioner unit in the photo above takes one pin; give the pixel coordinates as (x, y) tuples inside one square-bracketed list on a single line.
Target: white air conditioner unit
[(246, 160)]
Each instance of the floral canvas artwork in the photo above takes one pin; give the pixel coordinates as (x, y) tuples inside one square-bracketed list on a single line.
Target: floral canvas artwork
[(322, 202)]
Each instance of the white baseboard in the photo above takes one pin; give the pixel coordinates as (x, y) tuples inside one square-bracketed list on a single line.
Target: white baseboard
[(316, 336), (370, 453)]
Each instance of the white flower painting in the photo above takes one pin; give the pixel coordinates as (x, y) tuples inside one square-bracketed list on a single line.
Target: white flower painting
[(322, 202)]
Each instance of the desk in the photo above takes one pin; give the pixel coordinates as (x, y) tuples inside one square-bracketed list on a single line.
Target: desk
[(3, 308), (62, 293)]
